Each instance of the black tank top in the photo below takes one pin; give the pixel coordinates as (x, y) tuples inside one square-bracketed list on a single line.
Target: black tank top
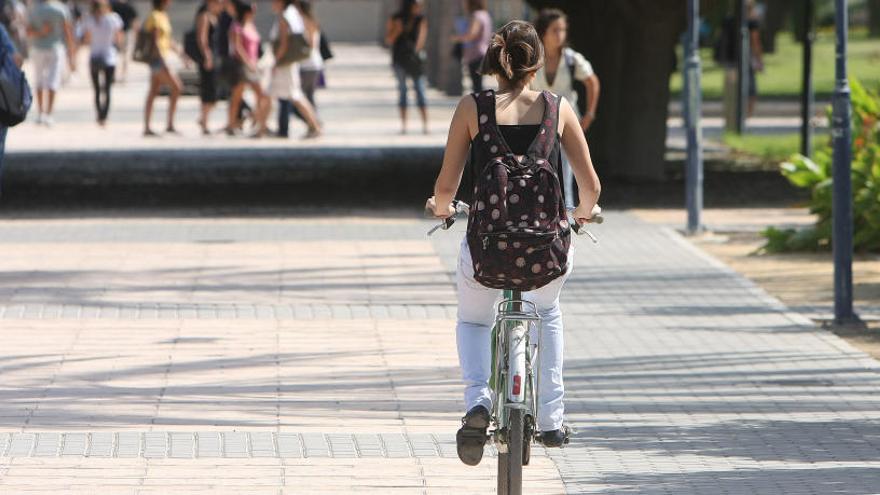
[(518, 137)]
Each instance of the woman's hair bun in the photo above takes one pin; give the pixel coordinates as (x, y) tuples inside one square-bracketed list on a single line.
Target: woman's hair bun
[(515, 52)]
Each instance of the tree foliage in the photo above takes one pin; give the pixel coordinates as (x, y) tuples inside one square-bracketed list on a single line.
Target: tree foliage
[(817, 176)]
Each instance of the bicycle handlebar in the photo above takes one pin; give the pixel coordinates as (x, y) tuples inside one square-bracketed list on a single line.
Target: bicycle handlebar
[(462, 208)]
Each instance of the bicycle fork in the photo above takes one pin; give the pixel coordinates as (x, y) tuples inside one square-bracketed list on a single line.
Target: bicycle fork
[(515, 358)]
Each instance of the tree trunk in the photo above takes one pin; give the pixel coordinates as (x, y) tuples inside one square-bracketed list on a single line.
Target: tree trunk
[(874, 18), (631, 44)]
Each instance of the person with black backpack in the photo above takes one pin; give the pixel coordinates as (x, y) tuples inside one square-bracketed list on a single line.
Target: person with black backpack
[(519, 235), (15, 92), (568, 74)]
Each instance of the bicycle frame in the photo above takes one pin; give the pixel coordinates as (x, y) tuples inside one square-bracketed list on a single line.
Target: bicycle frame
[(514, 363)]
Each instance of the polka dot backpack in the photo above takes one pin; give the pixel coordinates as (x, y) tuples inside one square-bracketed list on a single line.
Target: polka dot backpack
[(518, 230)]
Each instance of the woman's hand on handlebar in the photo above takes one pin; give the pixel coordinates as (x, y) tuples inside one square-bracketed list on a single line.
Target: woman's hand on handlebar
[(584, 214), (439, 212)]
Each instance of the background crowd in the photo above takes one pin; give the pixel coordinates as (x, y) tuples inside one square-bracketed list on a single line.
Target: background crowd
[(230, 55), (224, 45)]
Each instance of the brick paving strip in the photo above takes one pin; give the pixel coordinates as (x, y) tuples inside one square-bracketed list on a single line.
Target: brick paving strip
[(317, 355)]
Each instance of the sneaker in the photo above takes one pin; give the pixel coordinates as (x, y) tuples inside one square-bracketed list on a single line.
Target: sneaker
[(555, 438), (471, 437), (39, 119), (48, 121)]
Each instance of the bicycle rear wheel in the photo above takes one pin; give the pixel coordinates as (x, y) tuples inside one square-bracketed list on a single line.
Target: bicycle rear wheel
[(510, 464)]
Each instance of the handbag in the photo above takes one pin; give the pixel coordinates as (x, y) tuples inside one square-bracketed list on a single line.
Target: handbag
[(144, 47), (298, 49)]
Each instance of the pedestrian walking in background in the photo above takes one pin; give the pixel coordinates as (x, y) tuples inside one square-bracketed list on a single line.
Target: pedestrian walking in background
[(207, 59), (756, 50), (406, 34), (566, 73), (50, 29), (103, 32), (245, 42), (286, 85), (129, 16), (476, 40), (161, 74), (310, 70), (229, 64)]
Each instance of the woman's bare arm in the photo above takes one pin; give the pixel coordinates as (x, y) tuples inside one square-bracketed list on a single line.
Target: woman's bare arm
[(461, 131), (202, 26), (393, 28), (283, 29), (575, 144), (594, 88), (423, 36)]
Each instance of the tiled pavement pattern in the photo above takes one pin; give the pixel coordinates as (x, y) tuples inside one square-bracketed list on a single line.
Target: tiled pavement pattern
[(249, 356)]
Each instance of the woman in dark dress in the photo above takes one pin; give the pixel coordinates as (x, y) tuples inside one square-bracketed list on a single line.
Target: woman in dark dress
[(406, 33), (206, 36)]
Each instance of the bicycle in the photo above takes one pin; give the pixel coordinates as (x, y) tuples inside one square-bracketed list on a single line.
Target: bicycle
[(513, 422)]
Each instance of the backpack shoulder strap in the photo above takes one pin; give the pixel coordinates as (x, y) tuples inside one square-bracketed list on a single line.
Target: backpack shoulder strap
[(490, 134), (568, 56), (546, 139)]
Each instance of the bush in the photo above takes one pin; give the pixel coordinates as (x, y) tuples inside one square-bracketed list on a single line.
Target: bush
[(816, 175)]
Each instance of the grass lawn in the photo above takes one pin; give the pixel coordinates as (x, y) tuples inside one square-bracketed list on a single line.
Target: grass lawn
[(773, 148), (782, 73)]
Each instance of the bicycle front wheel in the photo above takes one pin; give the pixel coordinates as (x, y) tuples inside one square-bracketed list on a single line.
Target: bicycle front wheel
[(510, 464)]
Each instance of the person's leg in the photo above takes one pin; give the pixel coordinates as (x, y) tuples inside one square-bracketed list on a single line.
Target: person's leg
[(95, 73), (148, 107), (55, 71), (550, 398), (400, 75), (41, 94), (234, 104), (264, 105), (175, 88), (109, 79), (284, 107), (309, 85), (305, 109), (476, 313), (419, 83)]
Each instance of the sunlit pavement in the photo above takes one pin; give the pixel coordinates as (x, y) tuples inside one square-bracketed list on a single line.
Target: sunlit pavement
[(317, 355)]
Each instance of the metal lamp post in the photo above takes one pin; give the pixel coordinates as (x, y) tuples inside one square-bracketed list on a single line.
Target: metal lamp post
[(693, 109), (842, 227), (807, 87), (743, 61)]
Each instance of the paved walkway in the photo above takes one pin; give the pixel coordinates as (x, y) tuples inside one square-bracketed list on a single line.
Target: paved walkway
[(316, 355)]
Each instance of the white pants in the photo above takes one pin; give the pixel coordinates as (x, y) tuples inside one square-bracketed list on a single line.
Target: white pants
[(48, 67), (476, 315)]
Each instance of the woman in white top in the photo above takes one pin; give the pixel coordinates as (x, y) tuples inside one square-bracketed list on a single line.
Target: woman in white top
[(102, 31), (563, 68), (286, 86)]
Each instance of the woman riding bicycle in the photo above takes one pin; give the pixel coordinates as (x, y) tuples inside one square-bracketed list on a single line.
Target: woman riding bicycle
[(512, 124)]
